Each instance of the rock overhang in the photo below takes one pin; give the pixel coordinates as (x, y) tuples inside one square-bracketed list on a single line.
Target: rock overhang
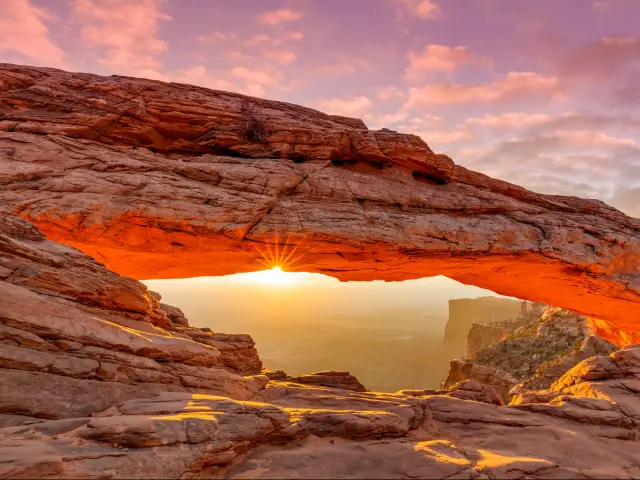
[(162, 180)]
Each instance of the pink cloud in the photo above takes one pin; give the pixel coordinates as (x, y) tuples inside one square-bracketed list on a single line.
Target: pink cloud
[(284, 57), (515, 85), (619, 40), (590, 139), (237, 56), (263, 39), (611, 56), (509, 119), (423, 9), (440, 58), (263, 77), (215, 37), (279, 16), (258, 39), (602, 5), (424, 122), (352, 107), (610, 6), (126, 32), (435, 138), (385, 120), (23, 31), (255, 81), (432, 130), (198, 75), (250, 81), (385, 93), (336, 69)]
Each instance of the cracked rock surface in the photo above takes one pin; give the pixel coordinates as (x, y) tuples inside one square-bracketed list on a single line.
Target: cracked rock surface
[(163, 180), (98, 379)]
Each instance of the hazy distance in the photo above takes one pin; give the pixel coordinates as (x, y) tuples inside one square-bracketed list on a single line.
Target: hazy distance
[(388, 334)]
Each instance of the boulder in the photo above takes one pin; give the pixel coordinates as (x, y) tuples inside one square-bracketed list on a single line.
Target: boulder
[(336, 379)]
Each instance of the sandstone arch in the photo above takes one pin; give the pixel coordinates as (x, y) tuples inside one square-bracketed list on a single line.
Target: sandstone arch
[(163, 180)]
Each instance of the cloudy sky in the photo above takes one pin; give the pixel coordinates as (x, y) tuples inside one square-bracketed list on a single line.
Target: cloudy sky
[(542, 93)]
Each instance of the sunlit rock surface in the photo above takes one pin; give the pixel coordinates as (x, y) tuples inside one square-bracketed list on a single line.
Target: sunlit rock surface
[(481, 335), (98, 380), (534, 352), (162, 180), (331, 379)]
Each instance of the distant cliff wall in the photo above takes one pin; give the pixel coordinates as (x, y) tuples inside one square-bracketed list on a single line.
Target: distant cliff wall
[(464, 311), (481, 335), (537, 351)]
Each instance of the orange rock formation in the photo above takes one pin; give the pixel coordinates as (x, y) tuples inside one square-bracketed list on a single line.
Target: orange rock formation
[(164, 180), (98, 379)]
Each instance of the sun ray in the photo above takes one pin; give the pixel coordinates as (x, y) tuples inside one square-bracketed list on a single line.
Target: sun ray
[(281, 254)]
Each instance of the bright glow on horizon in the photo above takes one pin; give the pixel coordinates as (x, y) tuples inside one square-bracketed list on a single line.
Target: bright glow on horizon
[(274, 277)]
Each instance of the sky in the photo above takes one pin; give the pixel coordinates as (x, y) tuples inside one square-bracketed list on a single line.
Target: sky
[(288, 296), (540, 93)]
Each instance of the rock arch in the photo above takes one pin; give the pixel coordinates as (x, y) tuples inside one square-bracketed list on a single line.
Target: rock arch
[(162, 180)]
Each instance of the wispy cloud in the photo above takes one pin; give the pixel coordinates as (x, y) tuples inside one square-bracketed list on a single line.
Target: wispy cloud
[(423, 9), (513, 86), (126, 32), (213, 37), (336, 69), (23, 31), (279, 16), (284, 57), (441, 59), (509, 120), (349, 107)]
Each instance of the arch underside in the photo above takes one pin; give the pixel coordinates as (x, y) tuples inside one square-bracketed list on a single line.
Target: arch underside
[(142, 193)]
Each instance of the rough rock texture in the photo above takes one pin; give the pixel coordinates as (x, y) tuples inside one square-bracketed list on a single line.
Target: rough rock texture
[(535, 351), (461, 369), (481, 335), (162, 180), (76, 338), (476, 391), (331, 379), (274, 374), (541, 351), (92, 386), (600, 390)]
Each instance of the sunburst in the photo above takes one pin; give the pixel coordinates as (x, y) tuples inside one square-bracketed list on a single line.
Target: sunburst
[(281, 259)]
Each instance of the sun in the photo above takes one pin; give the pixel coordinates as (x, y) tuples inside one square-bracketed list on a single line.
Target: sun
[(275, 276)]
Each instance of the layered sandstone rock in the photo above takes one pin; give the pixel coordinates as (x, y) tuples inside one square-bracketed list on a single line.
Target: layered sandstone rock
[(76, 338), (538, 352), (602, 390), (476, 391), (237, 351), (96, 381), (461, 369), (534, 351), (582, 428), (162, 180), (331, 379)]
